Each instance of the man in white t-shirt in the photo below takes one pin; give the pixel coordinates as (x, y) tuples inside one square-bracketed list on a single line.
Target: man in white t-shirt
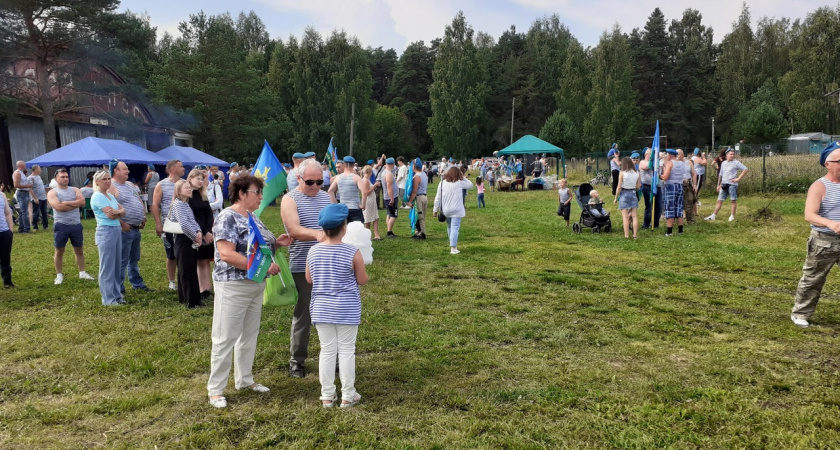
[(727, 184)]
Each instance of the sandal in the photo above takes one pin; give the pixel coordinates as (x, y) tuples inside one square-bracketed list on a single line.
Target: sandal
[(329, 403), (376, 239), (356, 399)]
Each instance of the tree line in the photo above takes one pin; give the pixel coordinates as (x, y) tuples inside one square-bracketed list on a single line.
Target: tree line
[(231, 85)]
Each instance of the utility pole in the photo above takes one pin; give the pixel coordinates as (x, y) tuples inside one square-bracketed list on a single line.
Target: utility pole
[(512, 110), (713, 136), (352, 121)]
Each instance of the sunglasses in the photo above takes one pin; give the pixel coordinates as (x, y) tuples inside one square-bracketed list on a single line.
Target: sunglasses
[(311, 182), (255, 191)]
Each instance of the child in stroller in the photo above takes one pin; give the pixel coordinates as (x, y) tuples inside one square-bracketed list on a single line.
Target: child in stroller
[(592, 214), (596, 205)]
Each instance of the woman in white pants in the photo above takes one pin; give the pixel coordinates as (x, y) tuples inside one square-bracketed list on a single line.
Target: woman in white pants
[(450, 200), (238, 301)]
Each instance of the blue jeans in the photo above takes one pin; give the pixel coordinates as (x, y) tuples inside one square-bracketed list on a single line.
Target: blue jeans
[(453, 226), (23, 198), (39, 210), (130, 258), (109, 242), (481, 201)]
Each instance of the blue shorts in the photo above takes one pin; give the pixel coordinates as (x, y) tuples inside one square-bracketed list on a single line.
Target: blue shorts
[(672, 203), (730, 190), (63, 232)]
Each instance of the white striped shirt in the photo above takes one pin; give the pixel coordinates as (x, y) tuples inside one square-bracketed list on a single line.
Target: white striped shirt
[(830, 205), (335, 292), (308, 209), (129, 198), (183, 214)]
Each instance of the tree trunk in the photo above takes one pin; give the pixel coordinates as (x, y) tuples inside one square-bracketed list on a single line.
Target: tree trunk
[(47, 104)]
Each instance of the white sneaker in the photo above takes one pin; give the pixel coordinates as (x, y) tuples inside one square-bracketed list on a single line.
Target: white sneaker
[(731, 218), (802, 323), (454, 251), (59, 278), (258, 388), (698, 203), (173, 286), (85, 276), (711, 217), (220, 402)]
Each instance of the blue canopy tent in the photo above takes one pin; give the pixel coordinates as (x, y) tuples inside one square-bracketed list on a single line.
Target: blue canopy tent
[(94, 152), (530, 145), (191, 157)]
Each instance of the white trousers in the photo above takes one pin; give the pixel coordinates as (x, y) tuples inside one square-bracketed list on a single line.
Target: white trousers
[(340, 341), (236, 323)]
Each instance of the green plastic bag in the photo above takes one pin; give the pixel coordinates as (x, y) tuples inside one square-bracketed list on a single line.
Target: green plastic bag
[(280, 289)]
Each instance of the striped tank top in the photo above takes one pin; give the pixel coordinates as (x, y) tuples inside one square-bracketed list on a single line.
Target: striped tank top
[(677, 170), (308, 209), (830, 205), (167, 188), (4, 226), (348, 191), (66, 217), (335, 293), (129, 198)]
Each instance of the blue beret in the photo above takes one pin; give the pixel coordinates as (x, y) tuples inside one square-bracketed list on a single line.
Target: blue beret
[(201, 167), (233, 164), (634, 155), (451, 159), (389, 161), (696, 151), (308, 154), (298, 155), (418, 162), (333, 215), (610, 153), (827, 151), (151, 167), (111, 165), (370, 161), (349, 159), (615, 144), (671, 151)]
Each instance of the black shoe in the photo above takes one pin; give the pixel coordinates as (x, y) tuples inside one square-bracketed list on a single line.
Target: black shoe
[(8, 285), (390, 235), (206, 294), (296, 370), (415, 236), (422, 235), (144, 289)]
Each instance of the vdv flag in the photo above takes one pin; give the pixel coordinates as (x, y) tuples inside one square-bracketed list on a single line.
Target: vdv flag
[(654, 150), (259, 254), (332, 157), (268, 168)]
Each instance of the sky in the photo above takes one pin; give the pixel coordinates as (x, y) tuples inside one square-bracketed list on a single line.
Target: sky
[(397, 23)]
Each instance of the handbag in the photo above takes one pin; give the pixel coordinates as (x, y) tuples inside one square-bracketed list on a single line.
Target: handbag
[(170, 226), (441, 217), (280, 290)]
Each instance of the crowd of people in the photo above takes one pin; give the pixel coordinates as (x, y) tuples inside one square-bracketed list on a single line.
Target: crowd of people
[(206, 245)]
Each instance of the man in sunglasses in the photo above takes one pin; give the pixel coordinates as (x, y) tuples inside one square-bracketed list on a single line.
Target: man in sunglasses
[(349, 186), (299, 211)]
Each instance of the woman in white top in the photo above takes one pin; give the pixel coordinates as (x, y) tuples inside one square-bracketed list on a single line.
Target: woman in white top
[(629, 184), (450, 201)]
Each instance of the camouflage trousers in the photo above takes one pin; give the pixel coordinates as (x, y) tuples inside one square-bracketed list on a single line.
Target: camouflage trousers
[(823, 253), (689, 198)]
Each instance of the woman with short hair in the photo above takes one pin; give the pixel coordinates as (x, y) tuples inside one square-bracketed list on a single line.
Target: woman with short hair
[(108, 237), (450, 200), (238, 301)]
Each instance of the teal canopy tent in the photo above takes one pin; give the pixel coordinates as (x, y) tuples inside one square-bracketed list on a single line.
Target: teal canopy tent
[(530, 145)]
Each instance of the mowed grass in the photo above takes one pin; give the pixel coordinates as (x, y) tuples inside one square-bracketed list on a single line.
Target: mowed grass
[(532, 337)]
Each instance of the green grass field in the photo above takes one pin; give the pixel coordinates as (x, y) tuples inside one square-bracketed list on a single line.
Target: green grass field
[(532, 337)]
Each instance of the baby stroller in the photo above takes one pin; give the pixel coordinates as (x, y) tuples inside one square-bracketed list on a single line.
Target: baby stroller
[(589, 219)]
